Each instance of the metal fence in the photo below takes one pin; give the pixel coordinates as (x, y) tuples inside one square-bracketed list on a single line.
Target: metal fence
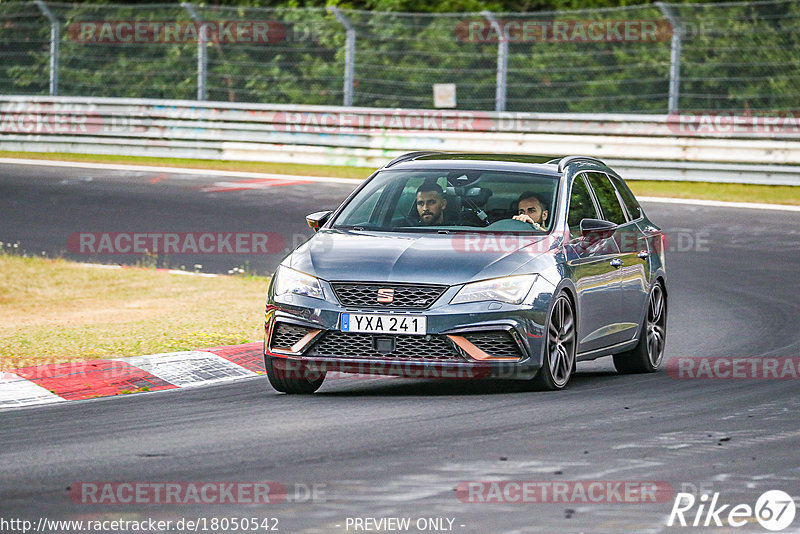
[(655, 58)]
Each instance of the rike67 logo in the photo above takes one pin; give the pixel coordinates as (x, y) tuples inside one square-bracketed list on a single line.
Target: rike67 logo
[(774, 510)]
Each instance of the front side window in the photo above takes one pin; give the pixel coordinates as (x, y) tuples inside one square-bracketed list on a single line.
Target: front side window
[(606, 197), (581, 206), (452, 200)]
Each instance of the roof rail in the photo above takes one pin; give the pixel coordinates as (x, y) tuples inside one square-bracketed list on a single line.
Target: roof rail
[(563, 162), (412, 155)]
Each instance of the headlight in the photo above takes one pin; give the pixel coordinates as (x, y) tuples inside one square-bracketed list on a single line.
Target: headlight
[(291, 281), (511, 289)]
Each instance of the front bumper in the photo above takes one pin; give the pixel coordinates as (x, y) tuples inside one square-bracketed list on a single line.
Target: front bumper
[(473, 340)]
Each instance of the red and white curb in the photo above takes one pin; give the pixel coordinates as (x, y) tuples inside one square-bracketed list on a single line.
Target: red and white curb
[(59, 382)]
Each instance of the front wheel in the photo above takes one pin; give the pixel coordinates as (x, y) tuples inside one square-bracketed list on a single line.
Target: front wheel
[(647, 355), (292, 376), (558, 362)]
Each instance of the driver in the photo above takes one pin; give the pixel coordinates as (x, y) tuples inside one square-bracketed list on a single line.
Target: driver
[(431, 204), (531, 209)]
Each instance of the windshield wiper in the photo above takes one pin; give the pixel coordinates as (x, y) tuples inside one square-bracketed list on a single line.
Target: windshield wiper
[(357, 227)]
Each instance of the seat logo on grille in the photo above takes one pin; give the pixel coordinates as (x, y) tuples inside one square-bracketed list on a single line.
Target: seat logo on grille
[(385, 295)]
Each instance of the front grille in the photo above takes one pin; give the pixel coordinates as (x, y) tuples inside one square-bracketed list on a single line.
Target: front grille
[(285, 335), (406, 296), (497, 343), (356, 345)]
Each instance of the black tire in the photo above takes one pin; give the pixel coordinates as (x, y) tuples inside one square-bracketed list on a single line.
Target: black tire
[(558, 362), (292, 376), (647, 355)]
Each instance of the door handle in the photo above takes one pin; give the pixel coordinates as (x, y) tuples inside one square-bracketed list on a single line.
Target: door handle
[(643, 254), (616, 262)]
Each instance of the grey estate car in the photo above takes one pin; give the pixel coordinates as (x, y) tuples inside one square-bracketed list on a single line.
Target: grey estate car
[(429, 269)]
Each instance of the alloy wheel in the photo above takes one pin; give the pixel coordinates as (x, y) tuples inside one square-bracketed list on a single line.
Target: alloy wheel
[(656, 322), (561, 341)]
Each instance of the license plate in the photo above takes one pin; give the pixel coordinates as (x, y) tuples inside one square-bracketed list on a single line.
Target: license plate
[(384, 324)]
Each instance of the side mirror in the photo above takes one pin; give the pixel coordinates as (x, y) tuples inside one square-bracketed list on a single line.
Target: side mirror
[(317, 219), (593, 230)]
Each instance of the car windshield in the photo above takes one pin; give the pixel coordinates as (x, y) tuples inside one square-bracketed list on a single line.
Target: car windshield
[(452, 200)]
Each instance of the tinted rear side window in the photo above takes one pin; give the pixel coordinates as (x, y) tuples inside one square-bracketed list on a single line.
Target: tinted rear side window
[(607, 197), (634, 210)]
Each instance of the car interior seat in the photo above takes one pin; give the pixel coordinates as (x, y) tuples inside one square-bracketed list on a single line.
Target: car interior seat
[(472, 206)]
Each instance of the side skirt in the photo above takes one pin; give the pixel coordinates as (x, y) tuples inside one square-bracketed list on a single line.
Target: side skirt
[(606, 351)]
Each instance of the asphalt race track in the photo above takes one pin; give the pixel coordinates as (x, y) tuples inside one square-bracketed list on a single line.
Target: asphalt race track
[(43, 206), (378, 448)]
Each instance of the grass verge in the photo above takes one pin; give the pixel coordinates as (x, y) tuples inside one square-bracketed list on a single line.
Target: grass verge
[(59, 311), (769, 194)]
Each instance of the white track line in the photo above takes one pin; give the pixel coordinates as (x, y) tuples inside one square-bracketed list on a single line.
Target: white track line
[(352, 181), (170, 271), (179, 170), (720, 204)]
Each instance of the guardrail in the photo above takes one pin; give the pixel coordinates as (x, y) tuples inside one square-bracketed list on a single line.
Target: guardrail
[(699, 146)]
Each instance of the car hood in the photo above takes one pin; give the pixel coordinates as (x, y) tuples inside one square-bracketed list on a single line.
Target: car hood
[(414, 257)]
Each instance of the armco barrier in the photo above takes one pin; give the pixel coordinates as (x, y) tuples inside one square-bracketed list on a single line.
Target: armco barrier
[(703, 147)]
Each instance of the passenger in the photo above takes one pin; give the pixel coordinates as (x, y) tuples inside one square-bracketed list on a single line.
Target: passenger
[(531, 209), (431, 204)]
